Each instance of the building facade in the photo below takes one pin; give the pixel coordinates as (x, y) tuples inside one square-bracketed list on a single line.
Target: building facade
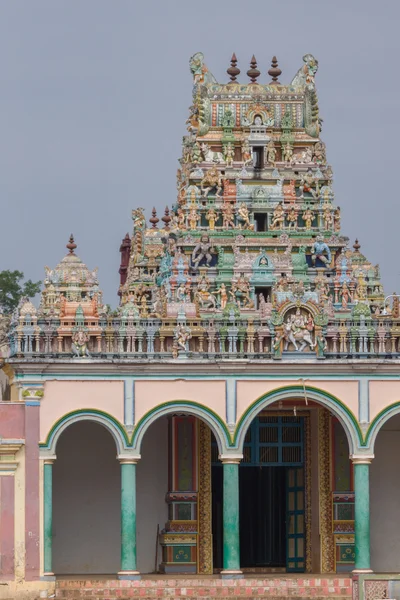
[(238, 413)]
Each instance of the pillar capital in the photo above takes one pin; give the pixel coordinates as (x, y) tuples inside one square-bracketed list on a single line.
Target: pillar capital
[(362, 459), (126, 459), (230, 459)]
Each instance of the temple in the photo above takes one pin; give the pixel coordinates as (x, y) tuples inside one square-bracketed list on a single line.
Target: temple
[(238, 414)]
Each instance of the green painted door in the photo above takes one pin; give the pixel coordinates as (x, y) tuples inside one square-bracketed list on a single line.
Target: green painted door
[(295, 520)]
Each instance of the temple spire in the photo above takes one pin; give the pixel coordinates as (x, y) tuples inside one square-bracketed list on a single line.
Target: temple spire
[(71, 244), (253, 72), (154, 219), (274, 71), (233, 70)]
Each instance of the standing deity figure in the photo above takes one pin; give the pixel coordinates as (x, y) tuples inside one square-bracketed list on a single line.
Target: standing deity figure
[(328, 219), (79, 345), (287, 153), (181, 293), (278, 218), (211, 217), (292, 218), (181, 219), (319, 249), (193, 218), (196, 154), (336, 220), (308, 218), (202, 250), (229, 154), (228, 216), (320, 153), (212, 179), (271, 153), (223, 292), (246, 152), (243, 216), (345, 295)]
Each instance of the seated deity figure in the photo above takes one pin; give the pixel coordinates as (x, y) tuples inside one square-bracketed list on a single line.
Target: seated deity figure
[(80, 341), (320, 250)]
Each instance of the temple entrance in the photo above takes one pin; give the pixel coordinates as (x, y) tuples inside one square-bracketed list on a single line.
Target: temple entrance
[(271, 497)]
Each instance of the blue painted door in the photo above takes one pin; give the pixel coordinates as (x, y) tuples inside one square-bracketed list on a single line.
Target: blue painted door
[(295, 520)]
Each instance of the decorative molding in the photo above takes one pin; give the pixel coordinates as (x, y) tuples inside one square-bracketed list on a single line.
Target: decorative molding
[(325, 496), (204, 553), (8, 455)]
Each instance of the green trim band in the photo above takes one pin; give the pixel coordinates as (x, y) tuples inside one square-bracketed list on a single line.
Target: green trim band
[(81, 412), (298, 390)]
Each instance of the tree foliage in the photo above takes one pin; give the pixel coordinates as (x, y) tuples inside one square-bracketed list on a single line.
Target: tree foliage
[(12, 289)]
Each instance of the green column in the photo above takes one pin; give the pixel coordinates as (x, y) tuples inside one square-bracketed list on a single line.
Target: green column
[(231, 560), (362, 535), (48, 517), (128, 520)]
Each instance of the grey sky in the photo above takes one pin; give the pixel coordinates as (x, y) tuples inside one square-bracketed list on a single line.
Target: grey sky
[(94, 98)]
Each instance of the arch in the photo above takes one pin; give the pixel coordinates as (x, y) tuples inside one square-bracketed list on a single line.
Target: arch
[(340, 410), (189, 407), (97, 416), (378, 422)]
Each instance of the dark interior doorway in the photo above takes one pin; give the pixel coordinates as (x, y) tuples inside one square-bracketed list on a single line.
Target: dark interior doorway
[(262, 498)]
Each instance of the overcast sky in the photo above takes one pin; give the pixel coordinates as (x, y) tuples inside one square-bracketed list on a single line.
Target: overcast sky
[(94, 98)]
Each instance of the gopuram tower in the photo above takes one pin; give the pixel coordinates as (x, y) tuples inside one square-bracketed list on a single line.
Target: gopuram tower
[(247, 382)]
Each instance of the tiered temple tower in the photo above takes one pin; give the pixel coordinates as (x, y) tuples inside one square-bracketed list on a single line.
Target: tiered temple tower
[(251, 341)]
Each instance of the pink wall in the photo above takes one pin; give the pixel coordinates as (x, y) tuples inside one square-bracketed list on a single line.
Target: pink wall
[(382, 394), (62, 397), (149, 394), (12, 420), (7, 527), (32, 517)]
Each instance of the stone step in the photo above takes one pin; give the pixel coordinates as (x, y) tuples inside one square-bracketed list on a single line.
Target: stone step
[(273, 589)]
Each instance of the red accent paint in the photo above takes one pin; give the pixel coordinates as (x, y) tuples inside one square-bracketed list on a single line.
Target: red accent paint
[(12, 420), (7, 527), (32, 531)]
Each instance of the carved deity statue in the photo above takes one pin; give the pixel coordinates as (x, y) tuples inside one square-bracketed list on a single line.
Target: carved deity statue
[(288, 152), (229, 154), (298, 327), (202, 250), (278, 218), (320, 153), (79, 345), (345, 295), (292, 218), (228, 216), (212, 217), (223, 293), (243, 216), (336, 220), (182, 335), (271, 153), (246, 152), (328, 219), (193, 218), (320, 250), (308, 218), (212, 179), (139, 220)]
